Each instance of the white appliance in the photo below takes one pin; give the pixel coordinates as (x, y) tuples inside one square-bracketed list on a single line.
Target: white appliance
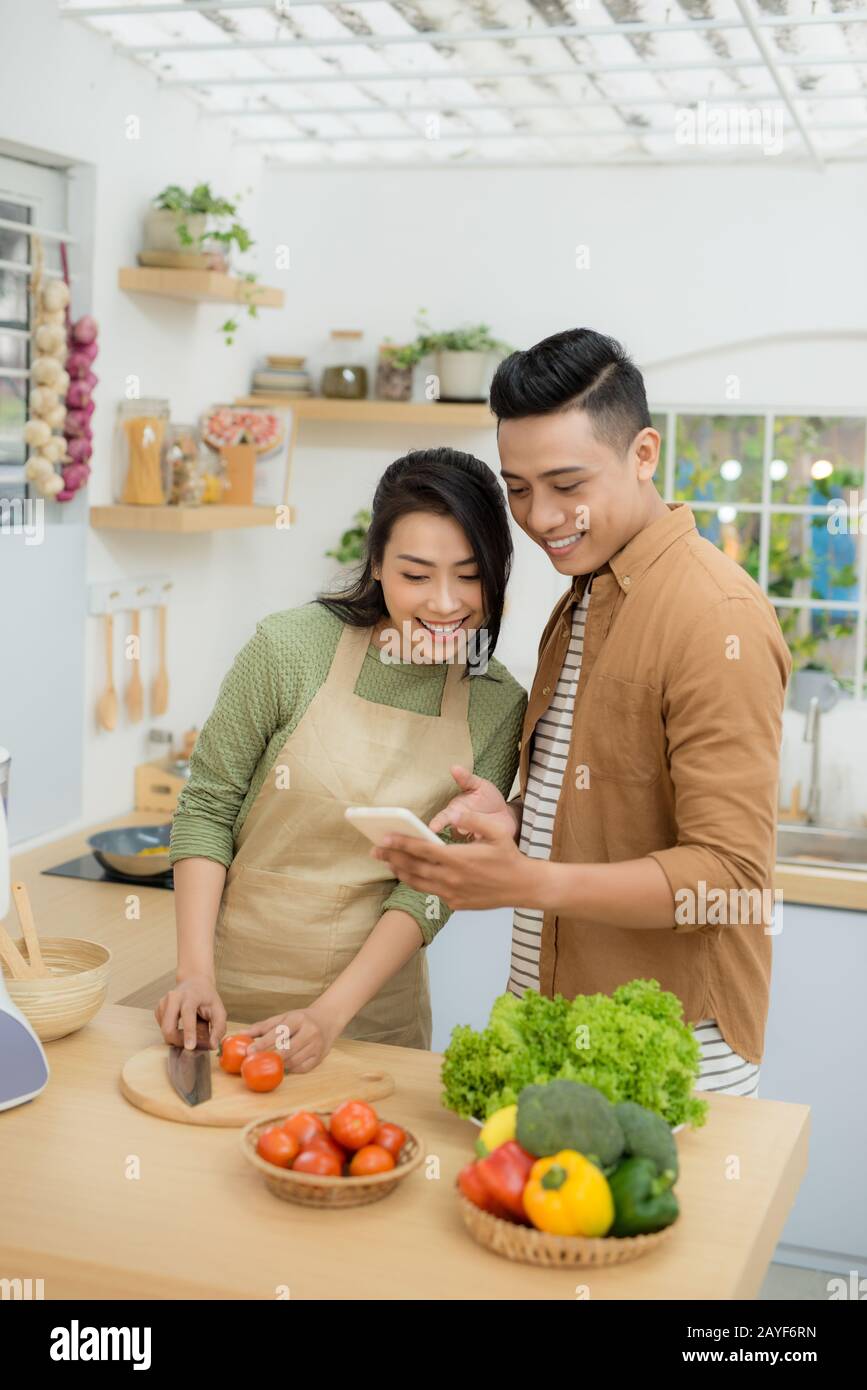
[(23, 1067)]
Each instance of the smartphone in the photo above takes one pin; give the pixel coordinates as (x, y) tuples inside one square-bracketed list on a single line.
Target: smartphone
[(378, 821)]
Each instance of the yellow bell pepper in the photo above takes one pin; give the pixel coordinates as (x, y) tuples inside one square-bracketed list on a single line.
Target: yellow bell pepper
[(567, 1195), (498, 1129)]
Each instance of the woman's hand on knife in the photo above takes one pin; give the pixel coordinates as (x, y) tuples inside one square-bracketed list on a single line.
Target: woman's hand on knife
[(176, 1012)]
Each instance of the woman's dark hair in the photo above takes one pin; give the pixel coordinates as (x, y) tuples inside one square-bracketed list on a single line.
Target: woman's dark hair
[(578, 369), (447, 483)]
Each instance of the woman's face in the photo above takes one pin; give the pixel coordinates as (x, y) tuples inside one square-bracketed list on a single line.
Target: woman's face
[(431, 586)]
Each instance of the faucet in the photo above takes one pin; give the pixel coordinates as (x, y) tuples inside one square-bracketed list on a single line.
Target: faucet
[(811, 735)]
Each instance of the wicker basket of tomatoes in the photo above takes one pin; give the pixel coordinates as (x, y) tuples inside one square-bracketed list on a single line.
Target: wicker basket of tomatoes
[(343, 1158)]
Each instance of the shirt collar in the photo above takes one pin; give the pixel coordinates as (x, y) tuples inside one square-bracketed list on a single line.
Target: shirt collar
[(638, 554)]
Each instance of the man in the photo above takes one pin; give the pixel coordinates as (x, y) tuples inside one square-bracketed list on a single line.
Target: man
[(643, 840)]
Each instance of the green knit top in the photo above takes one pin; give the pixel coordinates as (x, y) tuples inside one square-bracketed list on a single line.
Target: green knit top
[(261, 700)]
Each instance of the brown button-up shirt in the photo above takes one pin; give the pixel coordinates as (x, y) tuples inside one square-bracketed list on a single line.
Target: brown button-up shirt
[(674, 754)]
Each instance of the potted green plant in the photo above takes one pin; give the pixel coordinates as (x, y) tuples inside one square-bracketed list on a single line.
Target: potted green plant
[(199, 222), (463, 358)]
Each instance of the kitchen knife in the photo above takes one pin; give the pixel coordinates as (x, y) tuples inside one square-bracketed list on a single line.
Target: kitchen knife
[(190, 1068)]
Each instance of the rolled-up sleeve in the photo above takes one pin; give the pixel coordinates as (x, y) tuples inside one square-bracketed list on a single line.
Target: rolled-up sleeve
[(722, 710)]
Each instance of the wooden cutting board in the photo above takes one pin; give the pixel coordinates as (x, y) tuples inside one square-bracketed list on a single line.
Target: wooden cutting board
[(145, 1083)]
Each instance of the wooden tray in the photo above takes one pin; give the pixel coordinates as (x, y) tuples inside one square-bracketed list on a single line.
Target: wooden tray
[(144, 1082)]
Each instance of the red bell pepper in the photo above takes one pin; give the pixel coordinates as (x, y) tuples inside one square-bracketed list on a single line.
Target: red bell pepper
[(504, 1173), (471, 1186)]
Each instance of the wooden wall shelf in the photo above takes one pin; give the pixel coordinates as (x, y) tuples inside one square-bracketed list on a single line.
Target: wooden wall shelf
[(198, 285), (436, 414), (185, 520)]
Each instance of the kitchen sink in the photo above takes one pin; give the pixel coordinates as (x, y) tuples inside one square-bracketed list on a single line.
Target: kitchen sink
[(816, 844)]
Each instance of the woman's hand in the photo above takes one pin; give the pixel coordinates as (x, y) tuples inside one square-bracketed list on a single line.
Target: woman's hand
[(302, 1037), (176, 1012), (479, 796)]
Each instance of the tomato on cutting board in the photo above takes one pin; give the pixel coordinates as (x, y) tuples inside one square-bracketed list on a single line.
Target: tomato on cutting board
[(263, 1071), (232, 1052)]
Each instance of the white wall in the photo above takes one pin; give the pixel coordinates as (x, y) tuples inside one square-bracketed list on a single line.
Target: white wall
[(684, 264)]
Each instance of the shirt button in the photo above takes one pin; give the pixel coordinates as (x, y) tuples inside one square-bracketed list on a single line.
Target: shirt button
[(546, 690), (626, 581)]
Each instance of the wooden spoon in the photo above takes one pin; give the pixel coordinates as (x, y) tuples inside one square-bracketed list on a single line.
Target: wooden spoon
[(21, 898), (160, 689), (18, 967), (106, 706), (134, 692)]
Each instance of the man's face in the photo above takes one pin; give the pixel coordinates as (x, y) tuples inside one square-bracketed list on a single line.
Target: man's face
[(575, 496)]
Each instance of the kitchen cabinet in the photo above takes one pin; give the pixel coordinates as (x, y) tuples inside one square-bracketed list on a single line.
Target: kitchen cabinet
[(814, 1055)]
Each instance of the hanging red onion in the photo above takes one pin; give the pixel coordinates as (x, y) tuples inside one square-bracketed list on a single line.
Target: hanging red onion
[(84, 330), (78, 363), (90, 380), (76, 423), (78, 395), (79, 449)]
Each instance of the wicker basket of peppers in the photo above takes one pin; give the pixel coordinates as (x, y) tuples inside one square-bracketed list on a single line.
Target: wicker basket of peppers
[(565, 1178)]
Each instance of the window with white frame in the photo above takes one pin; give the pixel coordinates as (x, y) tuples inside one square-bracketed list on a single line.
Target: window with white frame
[(784, 493)]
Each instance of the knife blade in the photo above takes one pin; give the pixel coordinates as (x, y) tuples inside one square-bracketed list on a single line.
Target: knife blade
[(190, 1068)]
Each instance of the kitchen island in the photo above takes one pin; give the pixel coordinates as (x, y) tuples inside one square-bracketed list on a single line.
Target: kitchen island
[(100, 1200)]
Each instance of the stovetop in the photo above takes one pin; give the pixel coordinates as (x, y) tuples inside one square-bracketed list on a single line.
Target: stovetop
[(87, 866)]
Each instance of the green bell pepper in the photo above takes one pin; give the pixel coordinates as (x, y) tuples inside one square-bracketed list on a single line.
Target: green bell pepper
[(643, 1199)]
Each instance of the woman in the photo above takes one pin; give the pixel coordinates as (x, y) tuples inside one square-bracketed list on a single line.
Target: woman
[(285, 921)]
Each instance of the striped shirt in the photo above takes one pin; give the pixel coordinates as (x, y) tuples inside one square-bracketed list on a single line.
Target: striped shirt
[(545, 778), (720, 1068)]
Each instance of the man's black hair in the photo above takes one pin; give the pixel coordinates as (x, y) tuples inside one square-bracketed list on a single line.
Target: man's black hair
[(576, 369)]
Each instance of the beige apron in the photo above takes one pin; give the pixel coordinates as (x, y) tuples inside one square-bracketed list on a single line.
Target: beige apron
[(302, 893)]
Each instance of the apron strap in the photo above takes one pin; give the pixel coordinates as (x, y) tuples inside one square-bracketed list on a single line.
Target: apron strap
[(349, 659)]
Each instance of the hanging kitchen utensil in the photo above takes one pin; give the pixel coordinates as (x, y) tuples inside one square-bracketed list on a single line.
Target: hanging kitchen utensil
[(134, 692), (21, 898), (106, 708), (160, 688)]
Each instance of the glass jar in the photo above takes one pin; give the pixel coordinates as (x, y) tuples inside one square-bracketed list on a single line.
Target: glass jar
[(393, 382), (186, 465), (344, 376), (139, 464)]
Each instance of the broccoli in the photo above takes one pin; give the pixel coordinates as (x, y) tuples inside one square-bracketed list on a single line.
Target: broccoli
[(647, 1136), (569, 1115)]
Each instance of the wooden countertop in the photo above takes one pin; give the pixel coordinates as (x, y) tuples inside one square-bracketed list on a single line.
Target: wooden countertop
[(195, 1220)]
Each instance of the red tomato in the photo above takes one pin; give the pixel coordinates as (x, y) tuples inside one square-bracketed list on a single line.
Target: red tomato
[(390, 1137), (354, 1124), (233, 1051), (278, 1147), (373, 1158), (305, 1126), (318, 1158), (263, 1071), (325, 1141)]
